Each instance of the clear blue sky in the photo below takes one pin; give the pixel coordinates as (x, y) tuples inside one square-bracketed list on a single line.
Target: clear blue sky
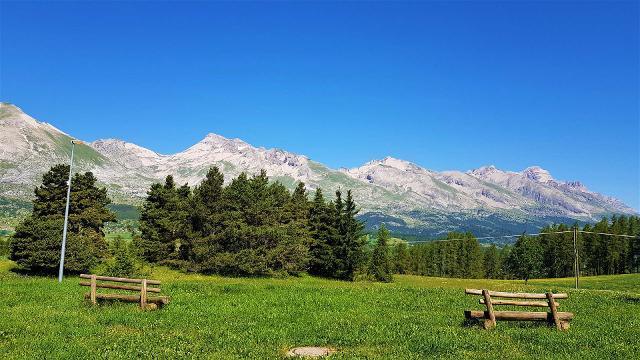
[(446, 85)]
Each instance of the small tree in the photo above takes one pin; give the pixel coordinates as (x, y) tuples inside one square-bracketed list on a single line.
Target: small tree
[(525, 260), (381, 266), (122, 264)]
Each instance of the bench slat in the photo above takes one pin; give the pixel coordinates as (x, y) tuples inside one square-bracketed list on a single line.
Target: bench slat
[(123, 280), (519, 303), (515, 295), (518, 315), (120, 287)]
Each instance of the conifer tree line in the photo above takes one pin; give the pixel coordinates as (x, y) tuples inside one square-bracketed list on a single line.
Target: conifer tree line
[(251, 227), (255, 227), (543, 256)]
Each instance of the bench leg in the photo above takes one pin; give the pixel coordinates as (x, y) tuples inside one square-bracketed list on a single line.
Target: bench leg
[(93, 289), (143, 295), (489, 323)]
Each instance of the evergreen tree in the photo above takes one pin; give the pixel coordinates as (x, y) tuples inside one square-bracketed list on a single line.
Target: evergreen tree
[(122, 264), (401, 259), (350, 247), (257, 232), (492, 262), (36, 243), (205, 218), (163, 221), (324, 233), (381, 266)]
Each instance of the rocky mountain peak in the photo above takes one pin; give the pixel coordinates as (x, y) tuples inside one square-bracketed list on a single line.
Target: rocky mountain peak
[(537, 173), (483, 171)]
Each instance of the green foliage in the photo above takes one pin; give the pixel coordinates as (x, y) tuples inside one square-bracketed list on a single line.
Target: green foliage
[(122, 262), (324, 233), (250, 227), (381, 265), (338, 248), (526, 259), (36, 244), (256, 318), (548, 255), (460, 255), (4, 245), (401, 258), (492, 262), (163, 221), (12, 212)]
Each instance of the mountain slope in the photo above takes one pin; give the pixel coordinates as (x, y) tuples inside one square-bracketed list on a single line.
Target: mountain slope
[(407, 197)]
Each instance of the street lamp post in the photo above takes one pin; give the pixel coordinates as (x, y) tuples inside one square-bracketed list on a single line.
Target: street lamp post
[(66, 214)]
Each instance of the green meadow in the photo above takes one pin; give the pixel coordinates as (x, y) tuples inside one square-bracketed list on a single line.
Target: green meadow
[(261, 318)]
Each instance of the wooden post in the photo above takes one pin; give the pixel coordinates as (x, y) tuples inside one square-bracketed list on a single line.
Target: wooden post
[(143, 294), (491, 322), (554, 311), (93, 289)]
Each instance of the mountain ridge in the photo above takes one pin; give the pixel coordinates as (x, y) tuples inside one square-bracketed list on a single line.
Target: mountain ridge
[(416, 198)]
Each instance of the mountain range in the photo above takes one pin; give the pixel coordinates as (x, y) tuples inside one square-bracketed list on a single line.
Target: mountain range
[(406, 197)]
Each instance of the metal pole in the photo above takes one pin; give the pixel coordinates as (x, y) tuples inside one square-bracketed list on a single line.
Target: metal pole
[(66, 217), (576, 267)]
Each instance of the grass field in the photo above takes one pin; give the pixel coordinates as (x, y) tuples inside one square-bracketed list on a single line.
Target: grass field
[(233, 318), (124, 235)]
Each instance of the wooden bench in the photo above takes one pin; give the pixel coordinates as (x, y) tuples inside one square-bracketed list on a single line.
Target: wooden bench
[(559, 319), (146, 302)]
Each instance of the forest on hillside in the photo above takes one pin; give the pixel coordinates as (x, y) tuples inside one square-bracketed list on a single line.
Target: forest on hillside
[(544, 256), (254, 227)]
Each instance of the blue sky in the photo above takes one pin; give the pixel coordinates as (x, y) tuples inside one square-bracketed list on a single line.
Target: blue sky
[(446, 85)]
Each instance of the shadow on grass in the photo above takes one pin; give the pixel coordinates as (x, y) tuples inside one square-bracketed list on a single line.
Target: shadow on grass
[(471, 323), (632, 299)]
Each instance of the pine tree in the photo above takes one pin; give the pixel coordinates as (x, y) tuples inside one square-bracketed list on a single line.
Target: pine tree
[(322, 260), (36, 243), (163, 221), (381, 266), (122, 264), (205, 218), (351, 241), (401, 259)]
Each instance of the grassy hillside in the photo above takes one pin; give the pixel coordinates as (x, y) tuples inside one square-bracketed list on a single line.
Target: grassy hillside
[(234, 318)]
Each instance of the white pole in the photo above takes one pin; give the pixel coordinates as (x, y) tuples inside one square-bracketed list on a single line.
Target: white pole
[(66, 217)]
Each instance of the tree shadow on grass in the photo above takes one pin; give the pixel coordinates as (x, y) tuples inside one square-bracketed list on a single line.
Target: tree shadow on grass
[(630, 298), (471, 323)]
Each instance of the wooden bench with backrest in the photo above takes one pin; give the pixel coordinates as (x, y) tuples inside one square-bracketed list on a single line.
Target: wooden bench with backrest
[(146, 302), (559, 319)]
